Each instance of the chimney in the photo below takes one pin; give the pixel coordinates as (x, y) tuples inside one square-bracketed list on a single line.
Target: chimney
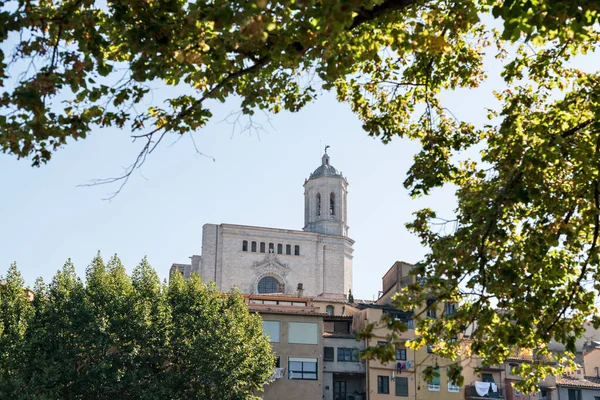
[(300, 290)]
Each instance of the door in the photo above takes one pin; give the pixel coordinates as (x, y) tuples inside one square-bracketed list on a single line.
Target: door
[(339, 390)]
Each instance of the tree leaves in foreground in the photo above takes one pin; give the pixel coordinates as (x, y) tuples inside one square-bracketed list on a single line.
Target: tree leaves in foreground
[(521, 256), (128, 337)]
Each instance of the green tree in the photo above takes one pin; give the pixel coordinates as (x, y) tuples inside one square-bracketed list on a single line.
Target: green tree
[(225, 354), (525, 236), (129, 338), (15, 313)]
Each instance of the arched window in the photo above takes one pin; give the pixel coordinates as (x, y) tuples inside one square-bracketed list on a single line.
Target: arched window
[(254, 247), (329, 310), (271, 248), (245, 245), (332, 204), (296, 250), (318, 204), (288, 249), (262, 247), (268, 284), (279, 248)]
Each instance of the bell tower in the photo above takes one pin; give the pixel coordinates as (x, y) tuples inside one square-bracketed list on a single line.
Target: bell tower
[(325, 193)]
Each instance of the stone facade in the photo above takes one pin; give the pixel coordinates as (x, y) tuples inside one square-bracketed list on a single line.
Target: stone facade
[(322, 264), (317, 259)]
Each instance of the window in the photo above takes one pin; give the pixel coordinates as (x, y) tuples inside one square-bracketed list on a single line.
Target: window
[(431, 308), (272, 330), (401, 354), (262, 247), (347, 354), (487, 377), (434, 385), (268, 284), (411, 324), (329, 310), (574, 394), (383, 384), (429, 349), (302, 368), (328, 354), (245, 245), (342, 327), (401, 386), (254, 247), (302, 333), (512, 367), (296, 250), (318, 204), (278, 362), (543, 395), (288, 249), (596, 371), (279, 248), (280, 302), (332, 204), (328, 326), (450, 309), (452, 388), (339, 390), (271, 248)]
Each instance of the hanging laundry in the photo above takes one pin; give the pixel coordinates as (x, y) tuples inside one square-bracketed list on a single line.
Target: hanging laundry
[(494, 387), (482, 388), (278, 373)]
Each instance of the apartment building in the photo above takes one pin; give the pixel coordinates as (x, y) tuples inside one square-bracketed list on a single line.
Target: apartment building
[(295, 329)]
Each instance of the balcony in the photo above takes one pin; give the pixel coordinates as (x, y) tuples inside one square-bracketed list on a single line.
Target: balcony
[(471, 393)]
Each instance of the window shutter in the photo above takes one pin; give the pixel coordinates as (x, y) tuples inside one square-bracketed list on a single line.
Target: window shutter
[(401, 386)]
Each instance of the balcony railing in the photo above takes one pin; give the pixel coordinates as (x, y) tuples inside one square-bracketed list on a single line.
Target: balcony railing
[(471, 393)]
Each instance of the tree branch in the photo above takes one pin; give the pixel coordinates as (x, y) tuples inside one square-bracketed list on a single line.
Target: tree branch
[(365, 15)]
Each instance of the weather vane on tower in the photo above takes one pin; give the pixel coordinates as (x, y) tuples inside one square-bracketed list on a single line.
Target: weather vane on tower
[(326, 147)]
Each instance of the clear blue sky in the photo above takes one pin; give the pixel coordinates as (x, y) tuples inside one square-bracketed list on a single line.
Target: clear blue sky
[(254, 180)]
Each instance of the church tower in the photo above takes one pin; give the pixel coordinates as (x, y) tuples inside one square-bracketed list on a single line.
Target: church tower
[(325, 193)]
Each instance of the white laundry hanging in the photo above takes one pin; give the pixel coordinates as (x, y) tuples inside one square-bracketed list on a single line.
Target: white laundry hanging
[(482, 388), (494, 387)]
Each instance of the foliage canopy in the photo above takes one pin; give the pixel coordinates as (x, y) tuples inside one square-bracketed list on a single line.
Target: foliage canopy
[(525, 237), (128, 337)]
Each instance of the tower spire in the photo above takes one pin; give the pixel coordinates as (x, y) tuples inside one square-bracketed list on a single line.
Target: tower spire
[(325, 193)]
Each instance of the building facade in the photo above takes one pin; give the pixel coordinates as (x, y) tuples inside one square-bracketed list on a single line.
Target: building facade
[(258, 260), (294, 328)]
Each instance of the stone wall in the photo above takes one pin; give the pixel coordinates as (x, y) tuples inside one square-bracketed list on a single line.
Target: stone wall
[(323, 266)]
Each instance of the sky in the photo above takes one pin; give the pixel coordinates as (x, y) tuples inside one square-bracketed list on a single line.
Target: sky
[(247, 178)]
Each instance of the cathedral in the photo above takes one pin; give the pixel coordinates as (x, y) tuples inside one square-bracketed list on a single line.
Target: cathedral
[(316, 260)]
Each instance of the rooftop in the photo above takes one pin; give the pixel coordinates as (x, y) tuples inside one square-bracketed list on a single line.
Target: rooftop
[(339, 335), (326, 169), (268, 309), (592, 382)]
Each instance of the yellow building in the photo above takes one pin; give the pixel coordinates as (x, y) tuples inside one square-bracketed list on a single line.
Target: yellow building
[(402, 377)]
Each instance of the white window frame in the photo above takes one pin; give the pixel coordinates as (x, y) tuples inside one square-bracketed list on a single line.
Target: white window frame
[(303, 360), (432, 387), (452, 388)]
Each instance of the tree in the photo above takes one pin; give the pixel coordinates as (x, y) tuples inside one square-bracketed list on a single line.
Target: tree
[(15, 313), (525, 235), (131, 338)]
